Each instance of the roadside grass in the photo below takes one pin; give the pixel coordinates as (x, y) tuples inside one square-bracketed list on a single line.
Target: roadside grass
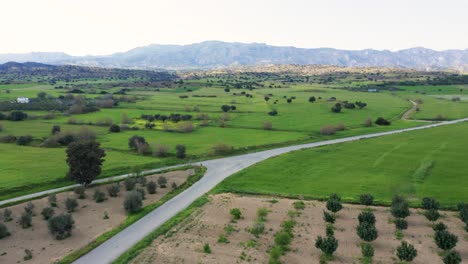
[(430, 164)]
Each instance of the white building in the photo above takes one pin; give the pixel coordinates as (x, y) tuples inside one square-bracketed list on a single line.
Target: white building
[(22, 100)]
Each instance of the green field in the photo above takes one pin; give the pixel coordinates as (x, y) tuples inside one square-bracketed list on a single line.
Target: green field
[(425, 163)]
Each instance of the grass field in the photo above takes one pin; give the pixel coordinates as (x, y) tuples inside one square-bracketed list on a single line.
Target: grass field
[(416, 164)]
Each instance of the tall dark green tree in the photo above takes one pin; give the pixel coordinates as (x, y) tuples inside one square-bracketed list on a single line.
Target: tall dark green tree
[(84, 159)]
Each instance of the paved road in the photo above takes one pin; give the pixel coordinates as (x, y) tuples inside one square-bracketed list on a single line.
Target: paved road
[(217, 171)]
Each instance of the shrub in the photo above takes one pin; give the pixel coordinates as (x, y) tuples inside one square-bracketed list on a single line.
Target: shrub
[(174, 185), (257, 229), (24, 140), (206, 248), (283, 239), (299, 205), (451, 257), (366, 217), (136, 140), (99, 196), (129, 183), (401, 224), (432, 215), (141, 192), (430, 203), (8, 139), (223, 239), (327, 245), (3, 231), (142, 181), (367, 250), (1, 127), (399, 208), (367, 122), (273, 112), (445, 240), (225, 108), (114, 128), (236, 213), (366, 199), (367, 231), (80, 192), (113, 190), (61, 226), (29, 209), (7, 215), (25, 220), (47, 212), (222, 149), (406, 252), (52, 198), (340, 127), (275, 253), (27, 255), (133, 202), (439, 227), (162, 181), (330, 230), (288, 226), (334, 204), (267, 125), (160, 150), (71, 204), (328, 130), (329, 218), (180, 151), (382, 121), (262, 213), (17, 116), (336, 108), (151, 187)]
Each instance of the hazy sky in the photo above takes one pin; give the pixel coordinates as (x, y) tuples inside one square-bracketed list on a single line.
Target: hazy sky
[(80, 27)]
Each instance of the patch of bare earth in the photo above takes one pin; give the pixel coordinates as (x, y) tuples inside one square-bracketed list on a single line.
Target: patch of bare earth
[(184, 244), (89, 222)]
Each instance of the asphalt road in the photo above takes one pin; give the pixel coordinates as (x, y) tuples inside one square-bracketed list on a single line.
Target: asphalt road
[(217, 171)]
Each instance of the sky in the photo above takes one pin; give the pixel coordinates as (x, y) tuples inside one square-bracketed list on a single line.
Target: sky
[(99, 27)]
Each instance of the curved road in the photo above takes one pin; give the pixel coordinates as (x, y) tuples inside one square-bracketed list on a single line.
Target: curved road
[(217, 171)]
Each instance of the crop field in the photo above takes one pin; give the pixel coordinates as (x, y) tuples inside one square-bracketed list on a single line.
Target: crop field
[(210, 132), (211, 235), (425, 163)]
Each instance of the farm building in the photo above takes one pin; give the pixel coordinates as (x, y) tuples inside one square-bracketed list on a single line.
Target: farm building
[(22, 100)]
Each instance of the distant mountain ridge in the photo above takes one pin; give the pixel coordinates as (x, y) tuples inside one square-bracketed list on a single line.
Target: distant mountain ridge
[(217, 54)]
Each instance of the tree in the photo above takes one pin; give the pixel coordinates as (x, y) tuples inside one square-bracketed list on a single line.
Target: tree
[(180, 151), (432, 215), (366, 217), (329, 218), (151, 187), (430, 203), (289, 100), (236, 213), (283, 239), (366, 199), (71, 204), (401, 224), (136, 140), (41, 95), (114, 128), (17, 116), (162, 181), (25, 220), (336, 108), (84, 160), (129, 183), (3, 231), (334, 204), (360, 104), (445, 240), (61, 226), (225, 108), (406, 252), (80, 192), (133, 202), (382, 121), (312, 99), (452, 257), (99, 196), (52, 198), (367, 250), (327, 245), (367, 231), (113, 190), (55, 129), (400, 207), (47, 212), (439, 227), (7, 215)]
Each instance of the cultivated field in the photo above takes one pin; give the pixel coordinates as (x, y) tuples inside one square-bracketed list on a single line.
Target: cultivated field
[(186, 242)]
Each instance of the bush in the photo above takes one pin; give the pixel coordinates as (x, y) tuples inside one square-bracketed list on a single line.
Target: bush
[(129, 183), (113, 190), (267, 125), (367, 250), (223, 239), (283, 239), (47, 212), (55, 129), (273, 112), (401, 224), (439, 227), (29, 209), (8, 139), (334, 204), (135, 141), (327, 245), (17, 116), (330, 230), (445, 240), (225, 108), (299, 205), (430, 203), (3, 231), (80, 192), (236, 213), (432, 215), (328, 130), (99, 196), (141, 180), (151, 187), (451, 257), (174, 185), (71, 204), (206, 248), (222, 149), (160, 150), (162, 181), (329, 218), (25, 220), (24, 140), (114, 128), (52, 198), (288, 226), (27, 255), (399, 208), (133, 202), (336, 108), (382, 122), (366, 217), (61, 226), (406, 252), (180, 151), (141, 192), (366, 199), (7, 215), (257, 229), (367, 122), (262, 213), (367, 231)]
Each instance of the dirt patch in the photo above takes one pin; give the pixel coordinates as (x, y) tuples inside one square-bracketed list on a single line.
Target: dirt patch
[(89, 222), (184, 244)]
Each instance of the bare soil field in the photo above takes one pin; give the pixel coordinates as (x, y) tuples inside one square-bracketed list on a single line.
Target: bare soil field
[(185, 243), (88, 217)]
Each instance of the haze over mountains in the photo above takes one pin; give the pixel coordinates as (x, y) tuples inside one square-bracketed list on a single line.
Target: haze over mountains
[(216, 54)]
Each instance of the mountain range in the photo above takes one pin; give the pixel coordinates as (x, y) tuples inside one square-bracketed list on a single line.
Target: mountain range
[(217, 54)]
